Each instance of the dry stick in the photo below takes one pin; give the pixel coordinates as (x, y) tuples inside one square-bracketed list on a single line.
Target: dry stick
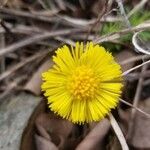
[(65, 40), (122, 11), (21, 29), (137, 7), (34, 39), (11, 87), (135, 58), (86, 23), (21, 64), (135, 76), (118, 132), (97, 20), (19, 13), (52, 19), (135, 104), (130, 70), (136, 67), (136, 108), (2, 59), (117, 35), (138, 90)]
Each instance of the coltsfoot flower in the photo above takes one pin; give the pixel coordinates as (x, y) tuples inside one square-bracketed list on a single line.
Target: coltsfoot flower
[(84, 83)]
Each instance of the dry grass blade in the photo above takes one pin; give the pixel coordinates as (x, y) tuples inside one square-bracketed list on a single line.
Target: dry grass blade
[(21, 64), (137, 7), (136, 67), (117, 35), (36, 38), (118, 132), (135, 103), (136, 58), (11, 87), (2, 59), (139, 110), (122, 11), (30, 15)]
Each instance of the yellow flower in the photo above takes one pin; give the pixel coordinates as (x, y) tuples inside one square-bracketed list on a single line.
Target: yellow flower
[(84, 83)]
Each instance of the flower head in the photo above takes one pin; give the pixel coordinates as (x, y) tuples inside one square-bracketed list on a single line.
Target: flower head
[(84, 83)]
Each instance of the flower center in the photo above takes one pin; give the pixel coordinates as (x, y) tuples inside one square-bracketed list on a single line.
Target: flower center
[(83, 83)]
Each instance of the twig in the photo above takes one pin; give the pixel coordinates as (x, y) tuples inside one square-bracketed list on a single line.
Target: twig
[(65, 40), (136, 67), (136, 58), (30, 15), (2, 59), (97, 20), (122, 11), (139, 87), (118, 132), (85, 23), (36, 38), (136, 108), (135, 103), (11, 87), (21, 64), (117, 35), (135, 76), (20, 29), (137, 7)]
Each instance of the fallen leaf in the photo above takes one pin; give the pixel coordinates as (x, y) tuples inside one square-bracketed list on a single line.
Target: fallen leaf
[(53, 128), (27, 142), (44, 144), (34, 84), (140, 136), (94, 140)]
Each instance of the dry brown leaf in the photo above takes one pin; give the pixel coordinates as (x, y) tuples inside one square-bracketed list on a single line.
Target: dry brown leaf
[(44, 144), (56, 129), (34, 84), (140, 136), (94, 140), (27, 142)]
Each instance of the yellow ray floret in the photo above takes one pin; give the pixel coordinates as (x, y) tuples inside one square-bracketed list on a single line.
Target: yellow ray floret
[(84, 83)]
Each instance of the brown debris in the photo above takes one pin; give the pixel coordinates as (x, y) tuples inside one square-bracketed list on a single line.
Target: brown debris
[(34, 84), (94, 140), (140, 135)]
